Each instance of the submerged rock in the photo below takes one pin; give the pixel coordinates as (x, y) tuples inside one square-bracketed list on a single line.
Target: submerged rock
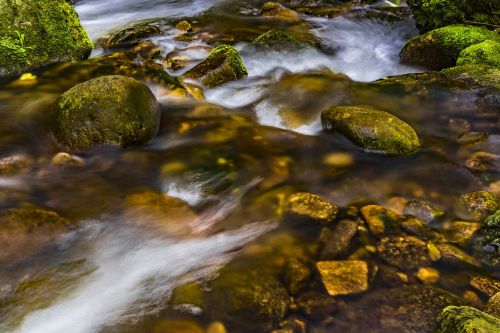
[(132, 35), (381, 221), (485, 53), (423, 210), (402, 310), (372, 129), (14, 165), (36, 33), (336, 242), (223, 64), (407, 253), (27, 229), (344, 277), (247, 299), (465, 319), (106, 110), (432, 14), (311, 206), (278, 11), (277, 40), (493, 306), (440, 48), (486, 241)]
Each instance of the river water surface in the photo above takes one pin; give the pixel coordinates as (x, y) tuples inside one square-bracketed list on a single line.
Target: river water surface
[(228, 157)]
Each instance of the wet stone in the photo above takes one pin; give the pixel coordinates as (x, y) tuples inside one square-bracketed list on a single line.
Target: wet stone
[(278, 11), (381, 221), (311, 206), (336, 242), (13, 165), (346, 277), (461, 232), (317, 305), (423, 210), (476, 205), (67, 160), (428, 275), (493, 305), (132, 35), (453, 255), (296, 275), (487, 285), (419, 228), (465, 319), (407, 253)]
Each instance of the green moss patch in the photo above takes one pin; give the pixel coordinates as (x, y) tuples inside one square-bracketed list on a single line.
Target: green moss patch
[(485, 53)]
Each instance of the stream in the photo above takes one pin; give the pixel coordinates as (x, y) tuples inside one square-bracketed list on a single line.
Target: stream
[(229, 159)]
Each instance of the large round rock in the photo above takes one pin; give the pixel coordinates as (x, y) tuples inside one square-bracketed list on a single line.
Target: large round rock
[(372, 129), (107, 110)]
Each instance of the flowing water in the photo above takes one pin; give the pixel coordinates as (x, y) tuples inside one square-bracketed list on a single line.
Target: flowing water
[(230, 158)]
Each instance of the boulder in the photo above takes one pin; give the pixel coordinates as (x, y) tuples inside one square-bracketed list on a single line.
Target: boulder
[(131, 35), (372, 129), (485, 53), (440, 48), (476, 75), (465, 319), (37, 33), (433, 14), (223, 64), (107, 110)]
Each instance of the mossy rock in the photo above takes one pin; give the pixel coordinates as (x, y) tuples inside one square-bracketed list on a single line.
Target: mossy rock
[(486, 241), (132, 35), (27, 229), (277, 40), (247, 299), (440, 48), (485, 53), (408, 253), (107, 110), (465, 319), (475, 75), (36, 33), (382, 221), (476, 205), (433, 14), (223, 64), (374, 130)]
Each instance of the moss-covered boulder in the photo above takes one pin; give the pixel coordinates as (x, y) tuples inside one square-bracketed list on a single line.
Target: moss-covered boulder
[(486, 241), (485, 53), (374, 130), (247, 299), (223, 64), (36, 33), (277, 40), (465, 319), (433, 14), (440, 48), (107, 110)]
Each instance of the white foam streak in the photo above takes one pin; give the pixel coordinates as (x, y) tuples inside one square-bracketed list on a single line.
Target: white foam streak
[(134, 276), (101, 17)]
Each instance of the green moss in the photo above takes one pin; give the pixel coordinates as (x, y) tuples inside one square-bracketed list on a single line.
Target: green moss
[(476, 205), (492, 221), (486, 53), (276, 39), (372, 129), (440, 48), (222, 65), (35, 33), (109, 109), (433, 14), (475, 75), (465, 319)]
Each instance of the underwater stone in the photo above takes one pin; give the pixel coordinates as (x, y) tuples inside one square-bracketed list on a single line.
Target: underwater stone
[(344, 277), (311, 206), (277, 40)]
